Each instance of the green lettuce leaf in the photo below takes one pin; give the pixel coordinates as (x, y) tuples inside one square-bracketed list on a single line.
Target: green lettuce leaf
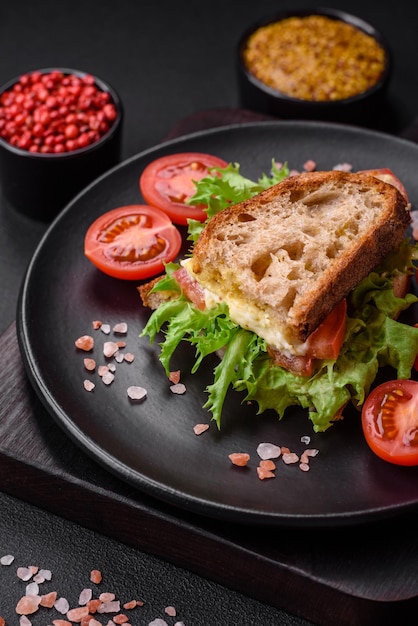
[(374, 336), (216, 192)]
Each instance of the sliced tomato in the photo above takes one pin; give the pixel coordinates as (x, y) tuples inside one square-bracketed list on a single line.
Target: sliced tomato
[(168, 182), (191, 288), (324, 343), (132, 242), (390, 421), (385, 174)]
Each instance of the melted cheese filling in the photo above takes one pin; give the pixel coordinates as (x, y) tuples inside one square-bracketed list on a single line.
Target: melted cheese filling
[(250, 317)]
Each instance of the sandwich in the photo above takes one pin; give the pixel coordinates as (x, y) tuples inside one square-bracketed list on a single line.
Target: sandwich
[(299, 288)]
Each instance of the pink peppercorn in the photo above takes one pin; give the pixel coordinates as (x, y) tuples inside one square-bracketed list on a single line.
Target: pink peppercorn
[(55, 112)]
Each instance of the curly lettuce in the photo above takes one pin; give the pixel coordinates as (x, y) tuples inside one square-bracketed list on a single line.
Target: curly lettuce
[(374, 336)]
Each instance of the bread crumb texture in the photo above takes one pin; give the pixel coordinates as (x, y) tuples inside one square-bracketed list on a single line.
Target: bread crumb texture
[(291, 253)]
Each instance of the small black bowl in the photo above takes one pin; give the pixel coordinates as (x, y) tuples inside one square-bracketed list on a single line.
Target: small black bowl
[(361, 109), (40, 185)]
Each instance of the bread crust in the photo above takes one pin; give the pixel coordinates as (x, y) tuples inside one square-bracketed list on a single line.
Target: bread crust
[(297, 249)]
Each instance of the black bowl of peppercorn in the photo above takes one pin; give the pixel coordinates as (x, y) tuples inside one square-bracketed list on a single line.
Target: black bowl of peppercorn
[(59, 130), (314, 64)]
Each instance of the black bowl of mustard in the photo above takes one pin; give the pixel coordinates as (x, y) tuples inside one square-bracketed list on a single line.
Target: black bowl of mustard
[(314, 64)]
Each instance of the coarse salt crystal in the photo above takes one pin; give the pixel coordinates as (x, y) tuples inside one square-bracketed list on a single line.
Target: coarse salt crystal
[(200, 428), (158, 622), (305, 439), (88, 385), (119, 357), (61, 605), (304, 467), (178, 388), (136, 393), (170, 610), (129, 357), (7, 559), (268, 451), (24, 621), (105, 328), (121, 328), (24, 573), (290, 457), (110, 348), (85, 596), (109, 607), (108, 378), (32, 589), (28, 605), (45, 573)]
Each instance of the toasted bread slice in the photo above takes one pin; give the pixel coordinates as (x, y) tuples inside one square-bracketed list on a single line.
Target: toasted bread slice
[(283, 259)]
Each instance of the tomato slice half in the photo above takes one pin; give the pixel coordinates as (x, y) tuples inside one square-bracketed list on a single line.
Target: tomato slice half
[(386, 174), (390, 421), (167, 183), (132, 242)]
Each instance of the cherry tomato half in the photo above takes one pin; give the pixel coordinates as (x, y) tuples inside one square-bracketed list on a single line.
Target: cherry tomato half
[(132, 242), (167, 183), (390, 421), (385, 174)]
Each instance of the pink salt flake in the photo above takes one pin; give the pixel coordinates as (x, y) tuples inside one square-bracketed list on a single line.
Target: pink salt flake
[(309, 166), (107, 597), (90, 364), (88, 385), (85, 596), (95, 622), (109, 607), (111, 367), (108, 378), (85, 342), (24, 573), (105, 328), (263, 473), (121, 619), (239, 458), (268, 465), (96, 576), (343, 167), (45, 573), (268, 451), (61, 622), (290, 457), (121, 328), (178, 388), (7, 559), (28, 605), (307, 454), (129, 357), (48, 600), (174, 377), (103, 369), (158, 622), (200, 428), (110, 348), (77, 614), (61, 605), (32, 589), (119, 357), (304, 467), (136, 393), (24, 621), (170, 610), (96, 324)]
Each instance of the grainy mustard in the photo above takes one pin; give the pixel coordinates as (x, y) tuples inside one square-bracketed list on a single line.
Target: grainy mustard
[(314, 58)]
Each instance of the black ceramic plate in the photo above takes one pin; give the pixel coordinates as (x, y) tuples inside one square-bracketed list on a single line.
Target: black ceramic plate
[(152, 444)]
